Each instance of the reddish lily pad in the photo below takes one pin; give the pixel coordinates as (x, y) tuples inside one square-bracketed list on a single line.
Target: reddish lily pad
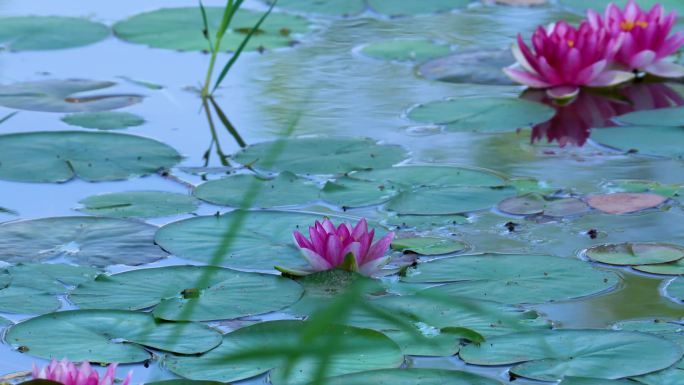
[(625, 203)]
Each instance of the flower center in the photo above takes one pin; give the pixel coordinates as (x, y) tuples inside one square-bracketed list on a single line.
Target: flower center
[(628, 25), (571, 43)]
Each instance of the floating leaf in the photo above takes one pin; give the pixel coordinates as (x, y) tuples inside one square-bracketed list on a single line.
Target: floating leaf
[(675, 289), (642, 186), (672, 376), (326, 7), (359, 350), (4, 322), (85, 241), (408, 8), (451, 200), (181, 29), (672, 268), (142, 204), (60, 156), (413, 376), (426, 222), (415, 176), (552, 355), (106, 120), (513, 279), (475, 67), (624, 254), (482, 114), (673, 116), (428, 245), (63, 96), (646, 140), (593, 381), (354, 7), (625, 203), (189, 293), (286, 189), (536, 204), (351, 192), (37, 33), (108, 336), (15, 299), (405, 50), (322, 155)]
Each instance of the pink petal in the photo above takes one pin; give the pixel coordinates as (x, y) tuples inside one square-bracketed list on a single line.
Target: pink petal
[(333, 251), (379, 248), (329, 226), (360, 229), (563, 92), (665, 70), (611, 78), (317, 262), (355, 249), (301, 240), (642, 59), (525, 78), (371, 267), (521, 59), (590, 73)]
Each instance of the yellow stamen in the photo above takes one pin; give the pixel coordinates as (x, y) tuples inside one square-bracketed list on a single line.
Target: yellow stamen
[(642, 24), (571, 43), (627, 25)]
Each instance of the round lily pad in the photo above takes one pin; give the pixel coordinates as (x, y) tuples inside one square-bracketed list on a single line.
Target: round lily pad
[(141, 204), (14, 299), (37, 33), (409, 50), (426, 222), (325, 7), (672, 268), (536, 204), (105, 120), (672, 376), (513, 279), (428, 245), (642, 186), (322, 155), (450, 200), (409, 8), (84, 241), (625, 203), (108, 336), (60, 156), (412, 376), (482, 114), (63, 96), (415, 176), (385, 7), (647, 140), (673, 116), (552, 355), (181, 29), (625, 254), (348, 192), (359, 350), (189, 293), (286, 189), (475, 67), (239, 239)]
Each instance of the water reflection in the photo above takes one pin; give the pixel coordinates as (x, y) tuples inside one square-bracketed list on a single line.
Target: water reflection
[(207, 104), (573, 122)]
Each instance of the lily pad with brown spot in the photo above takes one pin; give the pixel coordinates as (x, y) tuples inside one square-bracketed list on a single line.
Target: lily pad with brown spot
[(626, 254), (625, 203)]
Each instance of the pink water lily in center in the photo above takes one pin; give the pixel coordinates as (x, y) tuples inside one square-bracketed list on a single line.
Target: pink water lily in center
[(67, 373)]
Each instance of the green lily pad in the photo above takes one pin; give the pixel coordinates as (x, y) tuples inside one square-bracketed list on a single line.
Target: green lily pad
[(672, 376), (181, 29), (63, 96), (625, 254), (15, 299), (325, 7), (105, 120), (673, 116), (646, 140), (513, 279), (37, 33), (449, 200), (287, 189), (675, 289), (536, 204), (593, 381), (672, 268), (408, 50), (552, 355), (50, 277), (348, 192), (385, 7), (470, 66), (84, 241), (415, 176), (482, 114), (108, 336), (189, 293), (412, 376), (426, 222), (359, 350), (239, 239), (60, 156), (642, 186), (4, 322), (409, 8), (138, 204), (322, 155), (428, 245)]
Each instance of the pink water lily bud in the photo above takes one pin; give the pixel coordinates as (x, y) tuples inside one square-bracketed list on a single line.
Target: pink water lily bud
[(646, 37), (564, 58), (328, 246), (67, 373)]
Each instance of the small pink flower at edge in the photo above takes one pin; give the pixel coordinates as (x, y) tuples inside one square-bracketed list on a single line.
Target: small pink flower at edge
[(328, 246), (67, 373), (646, 39), (563, 58)]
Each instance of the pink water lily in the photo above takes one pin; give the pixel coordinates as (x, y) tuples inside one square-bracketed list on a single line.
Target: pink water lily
[(67, 373), (332, 247), (564, 58), (645, 36)]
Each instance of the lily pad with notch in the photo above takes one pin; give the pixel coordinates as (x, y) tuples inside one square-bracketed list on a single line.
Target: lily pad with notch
[(349, 192), (448, 200), (425, 222), (644, 140), (435, 176), (138, 204), (537, 204), (635, 253), (38, 33), (104, 120)]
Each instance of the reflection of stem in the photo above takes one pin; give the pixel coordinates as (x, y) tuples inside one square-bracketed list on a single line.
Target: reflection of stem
[(222, 156), (229, 126)]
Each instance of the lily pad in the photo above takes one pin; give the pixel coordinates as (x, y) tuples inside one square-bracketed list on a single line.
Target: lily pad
[(322, 155), (60, 156), (513, 279), (675, 289), (325, 7), (642, 186), (647, 140), (15, 299), (359, 350), (37, 33), (428, 245), (4, 322), (84, 241), (593, 381), (673, 116), (536, 204), (407, 50), (625, 203), (108, 336), (482, 114), (287, 189), (672, 376), (181, 29), (672, 268), (415, 176), (385, 7), (625, 254), (475, 67), (64, 96), (412, 376), (140, 204), (189, 293), (239, 239), (552, 355), (409, 8), (106, 120), (348, 192), (450, 200), (426, 222)]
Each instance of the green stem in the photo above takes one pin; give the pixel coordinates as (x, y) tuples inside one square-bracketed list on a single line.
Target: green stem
[(210, 71)]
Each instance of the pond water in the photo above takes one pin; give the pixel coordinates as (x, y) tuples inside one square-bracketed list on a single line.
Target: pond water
[(536, 174)]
